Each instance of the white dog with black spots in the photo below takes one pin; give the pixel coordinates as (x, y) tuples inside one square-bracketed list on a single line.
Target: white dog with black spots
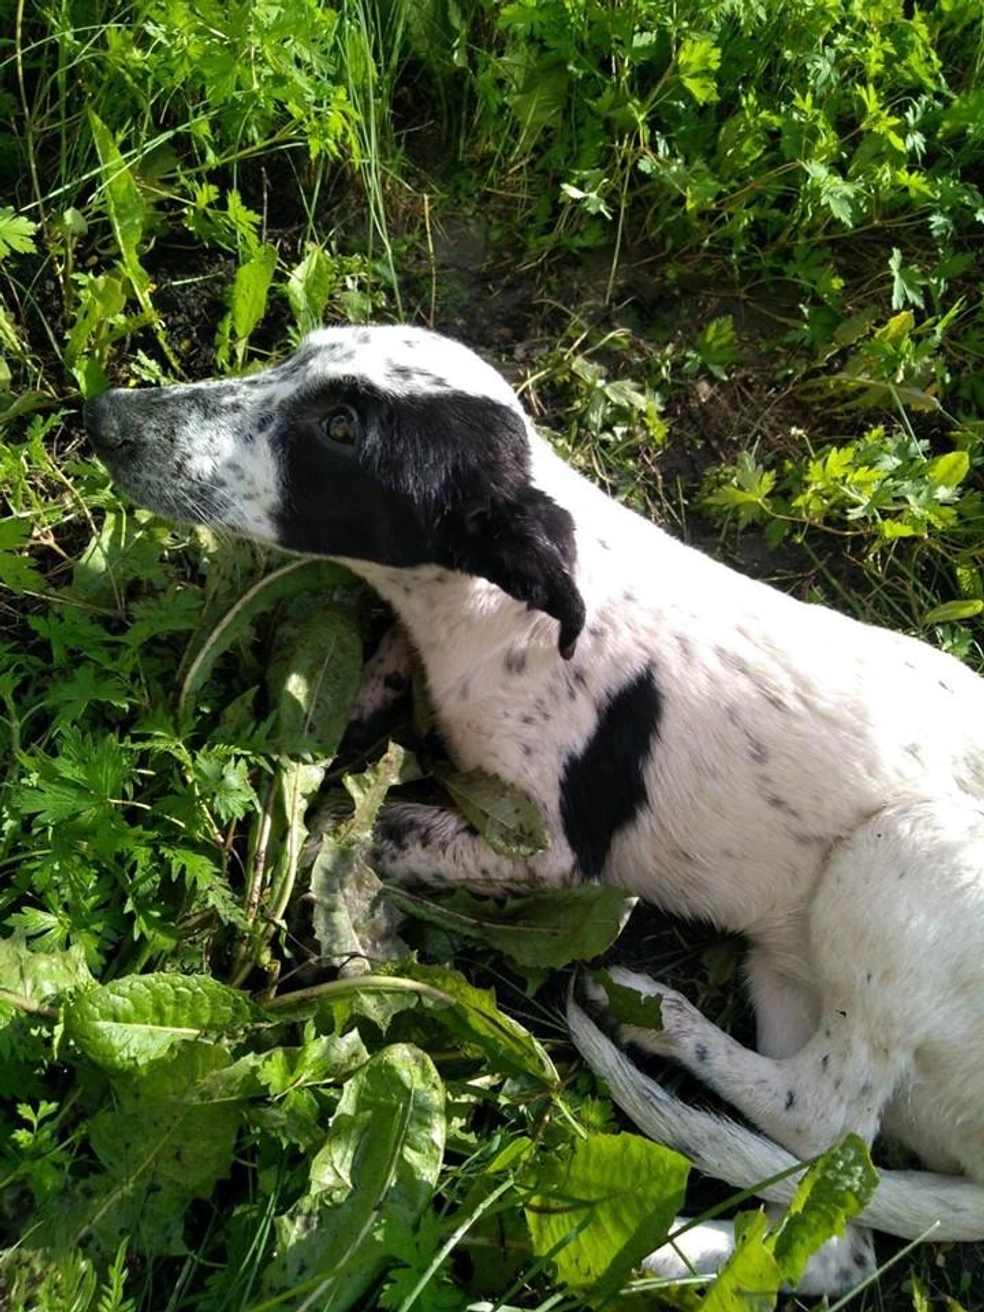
[(690, 735)]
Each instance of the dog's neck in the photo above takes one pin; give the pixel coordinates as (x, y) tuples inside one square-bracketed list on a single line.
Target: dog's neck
[(457, 622), (460, 622)]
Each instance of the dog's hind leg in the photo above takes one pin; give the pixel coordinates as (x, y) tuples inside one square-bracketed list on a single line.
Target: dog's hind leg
[(896, 961)]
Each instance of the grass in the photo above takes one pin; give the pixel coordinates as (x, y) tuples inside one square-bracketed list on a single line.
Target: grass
[(731, 255)]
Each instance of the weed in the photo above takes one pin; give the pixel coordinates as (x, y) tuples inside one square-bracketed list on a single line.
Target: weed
[(170, 703)]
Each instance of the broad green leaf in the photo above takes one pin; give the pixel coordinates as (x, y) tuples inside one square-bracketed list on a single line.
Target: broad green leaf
[(540, 100), (380, 1164), (951, 611), (477, 1021), (314, 678), (751, 1278), (548, 929), (949, 470), (600, 1207), (163, 1141), (835, 1188), (132, 1021), (247, 301), (41, 975), (505, 817), (317, 576), (128, 214)]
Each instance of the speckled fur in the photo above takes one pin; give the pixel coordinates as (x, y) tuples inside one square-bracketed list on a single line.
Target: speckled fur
[(808, 781)]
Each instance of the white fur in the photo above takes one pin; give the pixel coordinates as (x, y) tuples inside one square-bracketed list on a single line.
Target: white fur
[(815, 784)]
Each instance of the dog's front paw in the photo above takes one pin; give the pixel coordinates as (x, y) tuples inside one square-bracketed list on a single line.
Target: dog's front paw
[(411, 842), (383, 692)]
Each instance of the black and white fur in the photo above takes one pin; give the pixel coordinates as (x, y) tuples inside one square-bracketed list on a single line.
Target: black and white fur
[(696, 737)]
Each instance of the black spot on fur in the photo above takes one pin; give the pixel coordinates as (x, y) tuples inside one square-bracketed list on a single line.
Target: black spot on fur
[(732, 660), (782, 806), (602, 788), (790, 1099), (757, 749), (515, 662), (700, 1052), (432, 479)]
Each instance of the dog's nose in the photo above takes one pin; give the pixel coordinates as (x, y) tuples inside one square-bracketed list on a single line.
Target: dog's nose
[(102, 422)]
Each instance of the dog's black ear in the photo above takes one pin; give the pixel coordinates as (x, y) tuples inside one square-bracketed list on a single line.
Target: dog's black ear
[(525, 544)]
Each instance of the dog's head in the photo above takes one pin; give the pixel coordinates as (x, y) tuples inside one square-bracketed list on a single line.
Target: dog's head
[(385, 444)]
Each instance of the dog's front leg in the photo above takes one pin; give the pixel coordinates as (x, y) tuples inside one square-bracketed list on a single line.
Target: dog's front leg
[(436, 846)]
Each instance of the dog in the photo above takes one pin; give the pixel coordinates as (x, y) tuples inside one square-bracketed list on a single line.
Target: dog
[(691, 735)]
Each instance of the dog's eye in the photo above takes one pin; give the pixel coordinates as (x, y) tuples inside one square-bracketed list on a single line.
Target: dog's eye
[(340, 425)]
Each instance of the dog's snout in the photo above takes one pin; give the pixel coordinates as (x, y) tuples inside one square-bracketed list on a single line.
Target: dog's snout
[(102, 423)]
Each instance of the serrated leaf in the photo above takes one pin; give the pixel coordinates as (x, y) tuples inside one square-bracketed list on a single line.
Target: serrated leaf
[(126, 1024), (600, 1207), (547, 930), (16, 571), (750, 1280), (102, 298), (697, 62), (380, 1164), (248, 297), (352, 923), (835, 1188), (128, 213), (506, 818), (309, 287), (16, 233)]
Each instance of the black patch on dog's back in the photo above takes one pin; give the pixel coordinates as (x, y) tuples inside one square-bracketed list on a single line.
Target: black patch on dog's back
[(603, 787)]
